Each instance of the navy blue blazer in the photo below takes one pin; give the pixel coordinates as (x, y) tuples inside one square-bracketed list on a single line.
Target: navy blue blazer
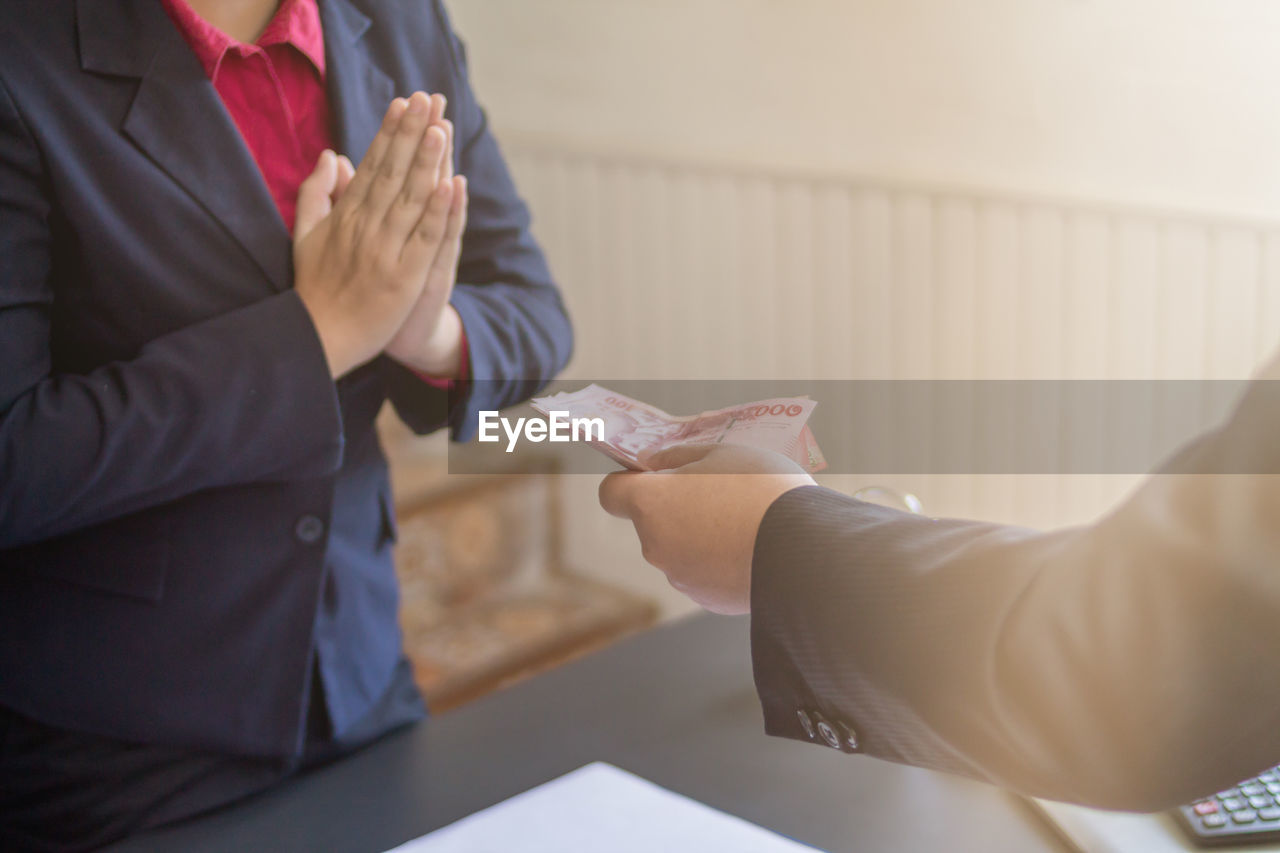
[(190, 509)]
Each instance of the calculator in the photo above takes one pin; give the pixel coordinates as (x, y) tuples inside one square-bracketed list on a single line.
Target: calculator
[(1246, 814)]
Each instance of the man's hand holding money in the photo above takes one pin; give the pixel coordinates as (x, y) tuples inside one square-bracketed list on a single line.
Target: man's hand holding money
[(697, 511)]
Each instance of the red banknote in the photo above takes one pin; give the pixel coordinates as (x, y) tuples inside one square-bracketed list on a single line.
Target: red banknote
[(633, 430)]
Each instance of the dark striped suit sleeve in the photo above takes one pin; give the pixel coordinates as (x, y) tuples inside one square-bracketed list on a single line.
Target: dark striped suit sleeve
[(1123, 664)]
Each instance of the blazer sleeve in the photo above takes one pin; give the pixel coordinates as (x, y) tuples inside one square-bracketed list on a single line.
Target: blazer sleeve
[(1126, 664), (244, 397), (518, 333)]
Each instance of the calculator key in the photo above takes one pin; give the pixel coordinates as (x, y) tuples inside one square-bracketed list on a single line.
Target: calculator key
[(1252, 789), (1267, 778), (1245, 816), (1205, 807), (1273, 787), (1232, 804), (1228, 794), (1270, 813), (1213, 821), (1261, 802)]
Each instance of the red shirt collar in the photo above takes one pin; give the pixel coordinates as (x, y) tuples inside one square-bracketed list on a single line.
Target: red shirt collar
[(296, 23)]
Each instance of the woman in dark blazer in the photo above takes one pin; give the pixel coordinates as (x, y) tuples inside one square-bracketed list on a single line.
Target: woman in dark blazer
[(196, 586)]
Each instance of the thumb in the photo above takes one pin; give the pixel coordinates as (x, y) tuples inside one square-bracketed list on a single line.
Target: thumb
[(345, 173), (617, 493), (676, 457), (313, 195)]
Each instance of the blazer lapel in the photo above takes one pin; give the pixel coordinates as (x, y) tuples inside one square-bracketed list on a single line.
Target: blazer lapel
[(359, 91), (179, 121)]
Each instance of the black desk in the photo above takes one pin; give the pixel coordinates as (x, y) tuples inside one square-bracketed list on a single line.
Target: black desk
[(676, 706)]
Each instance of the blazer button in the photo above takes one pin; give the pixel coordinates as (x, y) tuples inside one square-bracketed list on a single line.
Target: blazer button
[(850, 737), (805, 722), (309, 529), (829, 734)]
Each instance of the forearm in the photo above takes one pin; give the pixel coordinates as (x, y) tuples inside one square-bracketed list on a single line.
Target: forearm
[(245, 397), (438, 354), (518, 338), (1100, 665)]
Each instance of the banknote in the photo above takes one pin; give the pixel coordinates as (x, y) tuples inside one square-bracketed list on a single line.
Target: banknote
[(634, 429)]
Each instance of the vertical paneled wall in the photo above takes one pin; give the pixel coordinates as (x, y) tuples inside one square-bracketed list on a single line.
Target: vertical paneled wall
[(675, 270)]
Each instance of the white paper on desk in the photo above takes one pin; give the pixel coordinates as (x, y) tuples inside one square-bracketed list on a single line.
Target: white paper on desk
[(599, 807)]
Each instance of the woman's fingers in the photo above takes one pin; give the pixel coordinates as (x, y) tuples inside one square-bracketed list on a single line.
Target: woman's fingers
[(410, 203), (362, 179), (390, 173), (346, 172), (451, 244), (404, 197), (428, 234), (446, 165), (444, 268), (315, 193), (438, 104)]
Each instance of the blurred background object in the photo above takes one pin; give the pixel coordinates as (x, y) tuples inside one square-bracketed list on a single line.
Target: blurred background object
[(830, 189), (485, 596)]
